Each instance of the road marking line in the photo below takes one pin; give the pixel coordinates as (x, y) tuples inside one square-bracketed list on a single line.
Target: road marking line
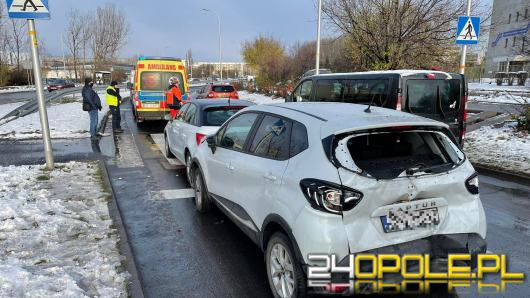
[(176, 194)]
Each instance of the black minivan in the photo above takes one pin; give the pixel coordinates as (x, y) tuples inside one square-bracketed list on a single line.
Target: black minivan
[(432, 94)]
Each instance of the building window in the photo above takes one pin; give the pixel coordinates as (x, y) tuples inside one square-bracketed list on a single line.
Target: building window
[(506, 43), (509, 18)]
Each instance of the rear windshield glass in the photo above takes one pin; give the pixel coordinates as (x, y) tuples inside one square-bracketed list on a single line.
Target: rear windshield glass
[(217, 116), (387, 155), (433, 96), (353, 91), (223, 89), (159, 81)]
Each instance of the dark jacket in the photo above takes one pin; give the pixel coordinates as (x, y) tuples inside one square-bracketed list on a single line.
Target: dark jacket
[(91, 97)]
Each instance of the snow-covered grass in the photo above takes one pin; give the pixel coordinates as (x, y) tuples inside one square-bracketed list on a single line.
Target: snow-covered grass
[(66, 120), (12, 89), (57, 238), (500, 148), (493, 87), (259, 98), (8, 107)]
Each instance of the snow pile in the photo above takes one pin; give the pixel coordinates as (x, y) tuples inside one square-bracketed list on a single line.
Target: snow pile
[(67, 121), (493, 87), (13, 89), (500, 148), (56, 236), (259, 98)]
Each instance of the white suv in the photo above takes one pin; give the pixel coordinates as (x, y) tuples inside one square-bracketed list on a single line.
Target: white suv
[(301, 178)]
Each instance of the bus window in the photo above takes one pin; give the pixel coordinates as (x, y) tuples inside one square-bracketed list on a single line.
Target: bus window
[(159, 81), (352, 91), (329, 90), (450, 96)]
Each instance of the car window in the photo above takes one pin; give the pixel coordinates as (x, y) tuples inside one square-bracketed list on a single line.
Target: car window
[(272, 138), (303, 92), (223, 89), (449, 95), (182, 112), (421, 95), (236, 132), (299, 141), (216, 116), (191, 113)]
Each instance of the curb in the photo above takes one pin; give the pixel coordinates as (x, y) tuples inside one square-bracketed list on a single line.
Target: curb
[(103, 123), (495, 171), (135, 288)]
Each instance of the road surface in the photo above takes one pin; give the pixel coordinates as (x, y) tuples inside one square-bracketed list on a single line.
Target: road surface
[(182, 253)]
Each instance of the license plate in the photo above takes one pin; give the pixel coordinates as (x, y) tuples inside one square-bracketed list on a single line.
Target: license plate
[(150, 105), (402, 220)]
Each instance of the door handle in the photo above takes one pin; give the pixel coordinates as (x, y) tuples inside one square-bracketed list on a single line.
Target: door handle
[(270, 177), (230, 167)]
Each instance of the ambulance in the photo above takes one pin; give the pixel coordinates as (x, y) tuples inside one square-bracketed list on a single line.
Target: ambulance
[(151, 82)]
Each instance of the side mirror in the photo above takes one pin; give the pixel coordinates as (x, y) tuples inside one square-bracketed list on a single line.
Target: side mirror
[(211, 143)]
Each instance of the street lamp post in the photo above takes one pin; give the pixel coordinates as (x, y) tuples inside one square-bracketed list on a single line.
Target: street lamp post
[(317, 66), (220, 44)]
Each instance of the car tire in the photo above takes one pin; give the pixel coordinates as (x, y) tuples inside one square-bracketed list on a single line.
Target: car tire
[(202, 200), (289, 280), (187, 161), (167, 152)]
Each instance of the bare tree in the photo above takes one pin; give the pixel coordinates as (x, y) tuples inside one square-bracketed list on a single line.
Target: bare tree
[(17, 39), (74, 37), (86, 34), (390, 34), (109, 33)]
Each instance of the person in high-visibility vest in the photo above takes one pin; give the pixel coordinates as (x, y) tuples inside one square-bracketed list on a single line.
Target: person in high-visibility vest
[(174, 95), (114, 100)]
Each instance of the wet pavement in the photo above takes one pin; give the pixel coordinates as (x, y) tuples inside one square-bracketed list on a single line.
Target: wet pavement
[(180, 253)]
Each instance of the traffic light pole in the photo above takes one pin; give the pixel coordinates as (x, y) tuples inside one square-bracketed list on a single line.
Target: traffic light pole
[(463, 52), (43, 114)]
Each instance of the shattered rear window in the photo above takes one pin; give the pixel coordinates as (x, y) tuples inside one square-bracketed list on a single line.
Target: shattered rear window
[(388, 155)]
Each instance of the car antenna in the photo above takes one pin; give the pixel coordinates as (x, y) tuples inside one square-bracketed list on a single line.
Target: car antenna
[(369, 108)]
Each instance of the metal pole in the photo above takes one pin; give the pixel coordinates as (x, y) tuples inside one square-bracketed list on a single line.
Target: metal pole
[(317, 66), (40, 96), (464, 47), (220, 47)]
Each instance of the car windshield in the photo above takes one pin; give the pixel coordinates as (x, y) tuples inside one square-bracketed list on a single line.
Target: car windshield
[(159, 81), (389, 154), (218, 115), (223, 89)]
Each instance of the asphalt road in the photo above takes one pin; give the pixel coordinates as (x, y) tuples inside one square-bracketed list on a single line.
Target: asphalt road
[(182, 253), (12, 97)]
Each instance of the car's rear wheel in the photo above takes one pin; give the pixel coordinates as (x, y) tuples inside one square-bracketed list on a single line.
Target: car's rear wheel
[(286, 278), (202, 200), (187, 159), (167, 150)]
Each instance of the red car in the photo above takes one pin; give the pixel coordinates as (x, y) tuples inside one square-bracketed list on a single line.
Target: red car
[(55, 84), (218, 91)]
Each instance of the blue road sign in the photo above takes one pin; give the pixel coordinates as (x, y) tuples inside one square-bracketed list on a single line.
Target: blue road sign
[(468, 30), (28, 9)]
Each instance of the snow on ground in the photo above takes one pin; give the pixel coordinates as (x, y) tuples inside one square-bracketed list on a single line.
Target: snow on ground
[(499, 148), (259, 98), (56, 235), (493, 87), (499, 97), (8, 107), (12, 89), (66, 120)]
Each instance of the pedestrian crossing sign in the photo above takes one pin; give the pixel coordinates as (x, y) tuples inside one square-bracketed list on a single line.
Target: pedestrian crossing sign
[(468, 30), (28, 9)]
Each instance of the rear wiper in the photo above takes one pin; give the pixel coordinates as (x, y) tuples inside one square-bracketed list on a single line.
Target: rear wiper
[(425, 169)]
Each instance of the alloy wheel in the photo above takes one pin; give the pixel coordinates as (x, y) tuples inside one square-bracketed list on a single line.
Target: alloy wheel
[(282, 271)]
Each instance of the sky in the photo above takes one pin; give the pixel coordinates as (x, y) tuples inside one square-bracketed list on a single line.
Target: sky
[(170, 28)]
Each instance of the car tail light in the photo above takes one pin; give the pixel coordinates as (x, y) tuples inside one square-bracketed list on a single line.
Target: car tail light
[(398, 105), (472, 184), (329, 197), (137, 102), (211, 95), (430, 76), (199, 137), (234, 95)]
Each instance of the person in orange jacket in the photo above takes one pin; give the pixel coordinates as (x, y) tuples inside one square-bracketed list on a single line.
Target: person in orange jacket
[(174, 95)]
